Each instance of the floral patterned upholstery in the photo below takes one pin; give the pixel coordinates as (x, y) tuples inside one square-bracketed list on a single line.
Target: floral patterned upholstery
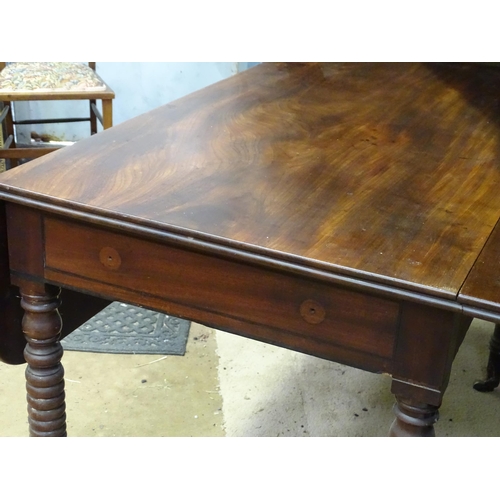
[(49, 77)]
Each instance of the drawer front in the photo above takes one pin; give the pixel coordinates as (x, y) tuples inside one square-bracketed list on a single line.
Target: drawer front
[(247, 293)]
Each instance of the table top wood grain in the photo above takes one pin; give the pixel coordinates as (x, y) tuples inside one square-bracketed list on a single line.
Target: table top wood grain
[(383, 172)]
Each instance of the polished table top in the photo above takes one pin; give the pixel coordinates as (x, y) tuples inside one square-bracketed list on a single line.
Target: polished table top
[(343, 210), (383, 172)]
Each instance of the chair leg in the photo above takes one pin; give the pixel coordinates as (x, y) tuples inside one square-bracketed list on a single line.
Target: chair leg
[(493, 369), (93, 118), (9, 128), (107, 113)]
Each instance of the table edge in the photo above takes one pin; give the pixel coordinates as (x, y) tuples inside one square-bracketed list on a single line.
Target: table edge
[(242, 252)]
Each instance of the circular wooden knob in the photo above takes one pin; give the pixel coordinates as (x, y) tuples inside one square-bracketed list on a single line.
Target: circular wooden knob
[(312, 312), (110, 258)]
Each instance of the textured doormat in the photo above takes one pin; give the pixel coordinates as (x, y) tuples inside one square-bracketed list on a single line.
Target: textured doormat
[(125, 329)]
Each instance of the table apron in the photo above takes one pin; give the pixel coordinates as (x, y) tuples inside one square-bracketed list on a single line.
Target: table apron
[(276, 307)]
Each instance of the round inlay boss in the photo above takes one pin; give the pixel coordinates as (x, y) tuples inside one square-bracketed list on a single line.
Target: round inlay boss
[(110, 258), (312, 312)]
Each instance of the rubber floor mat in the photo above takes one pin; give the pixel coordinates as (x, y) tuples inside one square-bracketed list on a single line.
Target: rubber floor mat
[(125, 329)]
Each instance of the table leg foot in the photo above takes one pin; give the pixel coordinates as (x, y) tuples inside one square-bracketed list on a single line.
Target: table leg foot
[(44, 373), (493, 369), (414, 420)]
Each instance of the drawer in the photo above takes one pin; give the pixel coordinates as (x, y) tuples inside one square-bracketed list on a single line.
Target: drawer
[(248, 293)]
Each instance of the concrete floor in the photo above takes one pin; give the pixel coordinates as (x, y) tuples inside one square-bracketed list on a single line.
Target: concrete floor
[(230, 386)]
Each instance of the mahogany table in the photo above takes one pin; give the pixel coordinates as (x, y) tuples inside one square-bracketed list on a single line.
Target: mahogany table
[(347, 211)]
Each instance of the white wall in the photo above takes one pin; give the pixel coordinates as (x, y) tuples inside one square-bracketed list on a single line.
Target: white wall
[(139, 87)]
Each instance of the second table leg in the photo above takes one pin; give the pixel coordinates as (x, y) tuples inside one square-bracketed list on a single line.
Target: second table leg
[(414, 420)]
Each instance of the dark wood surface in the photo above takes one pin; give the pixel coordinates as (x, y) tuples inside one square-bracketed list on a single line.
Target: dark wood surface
[(386, 172), (481, 290), (334, 209)]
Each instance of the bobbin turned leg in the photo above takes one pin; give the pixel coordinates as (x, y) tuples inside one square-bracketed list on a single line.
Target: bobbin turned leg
[(44, 373), (493, 369), (413, 420)]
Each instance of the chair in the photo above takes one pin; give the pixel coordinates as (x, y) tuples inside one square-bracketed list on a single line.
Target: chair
[(51, 81)]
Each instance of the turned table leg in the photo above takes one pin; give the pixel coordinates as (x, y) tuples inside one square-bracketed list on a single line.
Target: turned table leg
[(413, 420), (44, 373), (493, 369)]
